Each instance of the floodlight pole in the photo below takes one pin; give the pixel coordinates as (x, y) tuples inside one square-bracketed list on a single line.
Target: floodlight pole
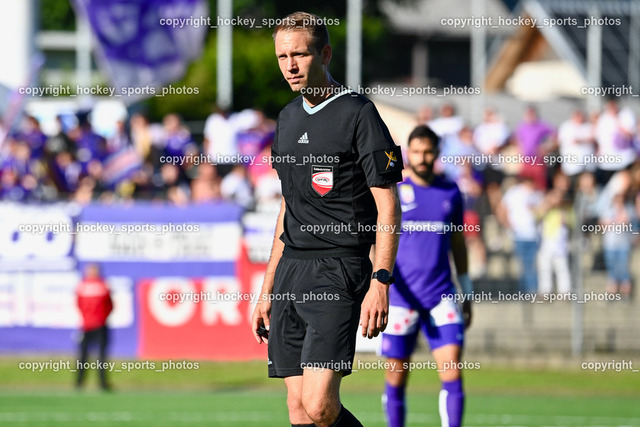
[(577, 321), (224, 43), (83, 55), (594, 59), (634, 47), (354, 44), (478, 60)]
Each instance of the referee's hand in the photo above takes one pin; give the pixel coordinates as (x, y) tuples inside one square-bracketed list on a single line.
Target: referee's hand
[(374, 314), (260, 318), (466, 313)]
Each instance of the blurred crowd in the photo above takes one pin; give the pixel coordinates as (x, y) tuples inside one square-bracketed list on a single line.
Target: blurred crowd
[(545, 185), (584, 173), (140, 160)]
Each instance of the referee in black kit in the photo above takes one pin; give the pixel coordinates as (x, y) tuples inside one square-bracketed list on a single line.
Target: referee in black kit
[(338, 167)]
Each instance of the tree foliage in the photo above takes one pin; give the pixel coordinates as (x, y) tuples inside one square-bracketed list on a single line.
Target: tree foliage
[(56, 15)]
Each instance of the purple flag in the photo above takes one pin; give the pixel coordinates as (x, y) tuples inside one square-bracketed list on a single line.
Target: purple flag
[(145, 44), (15, 102), (121, 165)]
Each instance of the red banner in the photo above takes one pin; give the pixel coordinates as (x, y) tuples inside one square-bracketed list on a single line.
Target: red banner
[(206, 319)]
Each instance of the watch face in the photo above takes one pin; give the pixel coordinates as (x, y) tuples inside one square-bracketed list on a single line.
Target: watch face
[(383, 276)]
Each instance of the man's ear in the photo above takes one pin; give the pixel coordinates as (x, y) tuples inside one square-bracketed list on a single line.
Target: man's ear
[(326, 54)]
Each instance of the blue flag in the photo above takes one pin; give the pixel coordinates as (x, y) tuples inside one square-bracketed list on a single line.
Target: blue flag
[(144, 44)]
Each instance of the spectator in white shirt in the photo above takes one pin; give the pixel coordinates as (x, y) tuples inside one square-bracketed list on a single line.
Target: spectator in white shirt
[(575, 137), (614, 134), (517, 211), (448, 124), (490, 135)]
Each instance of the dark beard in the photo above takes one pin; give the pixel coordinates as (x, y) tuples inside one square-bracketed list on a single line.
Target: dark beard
[(426, 175)]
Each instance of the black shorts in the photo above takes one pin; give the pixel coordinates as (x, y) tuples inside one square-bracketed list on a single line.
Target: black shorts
[(315, 313), (490, 175)]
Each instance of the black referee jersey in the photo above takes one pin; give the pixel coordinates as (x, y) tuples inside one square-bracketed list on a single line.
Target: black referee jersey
[(327, 157)]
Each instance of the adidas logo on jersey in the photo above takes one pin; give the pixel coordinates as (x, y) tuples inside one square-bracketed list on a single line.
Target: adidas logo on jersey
[(304, 139)]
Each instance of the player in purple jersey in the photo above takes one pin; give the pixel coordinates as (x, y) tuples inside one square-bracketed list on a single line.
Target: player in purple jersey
[(424, 296)]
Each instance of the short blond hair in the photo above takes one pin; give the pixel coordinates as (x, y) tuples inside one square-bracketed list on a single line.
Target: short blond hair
[(298, 21)]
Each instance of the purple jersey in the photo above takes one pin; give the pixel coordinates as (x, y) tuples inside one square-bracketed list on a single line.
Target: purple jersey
[(422, 269), (36, 141), (90, 146), (177, 143)]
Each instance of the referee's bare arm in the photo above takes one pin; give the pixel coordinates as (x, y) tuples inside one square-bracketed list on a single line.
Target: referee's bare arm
[(262, 312), (375, 307)]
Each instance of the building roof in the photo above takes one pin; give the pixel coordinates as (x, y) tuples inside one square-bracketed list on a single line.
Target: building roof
[(569, 35)]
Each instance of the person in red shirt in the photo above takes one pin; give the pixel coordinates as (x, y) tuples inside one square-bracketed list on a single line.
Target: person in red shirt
[(94, 303)]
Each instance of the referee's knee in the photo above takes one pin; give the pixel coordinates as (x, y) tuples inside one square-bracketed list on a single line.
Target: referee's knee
[(322, 411)]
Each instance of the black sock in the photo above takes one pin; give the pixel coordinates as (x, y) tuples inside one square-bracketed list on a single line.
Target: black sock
[(346, 419)]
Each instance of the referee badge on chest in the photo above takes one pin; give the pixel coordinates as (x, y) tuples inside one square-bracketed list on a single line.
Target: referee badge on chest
[(322, 179)]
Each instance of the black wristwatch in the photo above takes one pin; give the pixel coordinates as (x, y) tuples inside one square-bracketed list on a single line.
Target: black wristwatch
[(383, 276)]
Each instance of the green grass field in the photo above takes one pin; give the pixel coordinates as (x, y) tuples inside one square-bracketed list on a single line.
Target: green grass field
[(239, 394)]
